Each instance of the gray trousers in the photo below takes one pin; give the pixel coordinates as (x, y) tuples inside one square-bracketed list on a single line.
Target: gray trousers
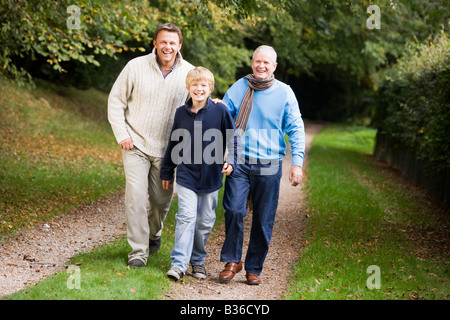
[(146, 202)]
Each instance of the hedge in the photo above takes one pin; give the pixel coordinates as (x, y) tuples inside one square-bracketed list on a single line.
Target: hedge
[(413, 102)]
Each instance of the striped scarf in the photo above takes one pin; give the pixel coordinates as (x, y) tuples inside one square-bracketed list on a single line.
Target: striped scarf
[(247, 102)]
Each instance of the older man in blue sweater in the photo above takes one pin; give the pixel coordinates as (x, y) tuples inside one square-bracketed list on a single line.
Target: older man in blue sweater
[(265, 110)]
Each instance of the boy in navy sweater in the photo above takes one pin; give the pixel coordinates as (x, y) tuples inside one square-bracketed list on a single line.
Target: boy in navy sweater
[(200, 134)]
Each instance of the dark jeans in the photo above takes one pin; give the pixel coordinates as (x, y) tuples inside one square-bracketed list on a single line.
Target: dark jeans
[(263, 183)]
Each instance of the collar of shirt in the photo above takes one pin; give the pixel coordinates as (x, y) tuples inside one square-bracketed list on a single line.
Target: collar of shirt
[(174, 64), (188, 106)]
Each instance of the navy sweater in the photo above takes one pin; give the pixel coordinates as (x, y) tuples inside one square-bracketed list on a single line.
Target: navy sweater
[(198, 156)]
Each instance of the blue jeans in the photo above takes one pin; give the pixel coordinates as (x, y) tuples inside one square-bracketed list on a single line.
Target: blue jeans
[(263, 183), (194, 220)]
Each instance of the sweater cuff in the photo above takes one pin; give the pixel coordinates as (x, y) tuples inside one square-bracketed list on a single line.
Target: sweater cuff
[(166, 174), (297, 160), (120, 134)]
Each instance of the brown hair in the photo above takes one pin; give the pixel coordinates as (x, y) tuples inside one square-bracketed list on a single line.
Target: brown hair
[(168, 27)]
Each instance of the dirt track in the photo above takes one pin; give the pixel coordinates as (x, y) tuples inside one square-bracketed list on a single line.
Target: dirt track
[(285, 249)]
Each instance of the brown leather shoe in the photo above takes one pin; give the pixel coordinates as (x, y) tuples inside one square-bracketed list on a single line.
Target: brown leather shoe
[(231, 268), (252, 278)]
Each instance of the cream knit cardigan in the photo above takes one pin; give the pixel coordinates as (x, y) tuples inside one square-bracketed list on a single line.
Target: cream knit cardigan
[(142, 104)]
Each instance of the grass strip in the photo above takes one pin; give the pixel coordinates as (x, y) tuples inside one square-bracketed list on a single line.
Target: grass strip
[(367, 230), (57, 152)]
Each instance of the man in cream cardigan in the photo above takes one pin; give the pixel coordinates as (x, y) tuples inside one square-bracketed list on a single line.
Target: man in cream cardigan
[(141, 108)]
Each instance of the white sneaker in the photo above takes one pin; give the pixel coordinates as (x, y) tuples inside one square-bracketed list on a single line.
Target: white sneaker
[(175, 274)]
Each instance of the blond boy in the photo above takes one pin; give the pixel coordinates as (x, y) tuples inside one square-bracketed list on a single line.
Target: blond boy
[(200, 134)]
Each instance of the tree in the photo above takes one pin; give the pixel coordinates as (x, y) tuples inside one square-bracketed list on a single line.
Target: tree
[(72, 38), (330, 56), (59, 32), (325, 48)]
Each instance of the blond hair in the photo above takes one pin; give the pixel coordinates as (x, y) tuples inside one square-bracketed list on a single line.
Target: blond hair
[(198, 74)]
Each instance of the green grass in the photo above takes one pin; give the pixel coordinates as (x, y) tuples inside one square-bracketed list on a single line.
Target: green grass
[(360, 216), (57, 152)]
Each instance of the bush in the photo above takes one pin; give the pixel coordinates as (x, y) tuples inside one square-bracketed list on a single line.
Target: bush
[(413, 102)]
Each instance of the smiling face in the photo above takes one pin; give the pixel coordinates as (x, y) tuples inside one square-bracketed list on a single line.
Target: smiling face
[(200, 84), (263, 64), (167, 45), (199, 91)]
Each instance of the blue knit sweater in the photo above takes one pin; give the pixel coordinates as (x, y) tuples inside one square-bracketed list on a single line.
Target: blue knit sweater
[(275, 113)]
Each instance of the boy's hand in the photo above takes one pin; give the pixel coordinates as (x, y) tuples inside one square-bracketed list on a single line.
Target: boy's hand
[(227, 168), (167, 184)]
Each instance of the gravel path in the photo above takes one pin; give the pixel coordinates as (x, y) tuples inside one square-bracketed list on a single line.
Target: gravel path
[(285, 249), (36, 253), (41, 251)]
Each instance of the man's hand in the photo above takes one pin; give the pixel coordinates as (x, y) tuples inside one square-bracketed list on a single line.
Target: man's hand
[(295, 175), (216, 100), (126, 144), (167, 184), (227, 168)]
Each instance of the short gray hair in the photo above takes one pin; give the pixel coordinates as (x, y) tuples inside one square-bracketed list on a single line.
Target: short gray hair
[(267, 49)]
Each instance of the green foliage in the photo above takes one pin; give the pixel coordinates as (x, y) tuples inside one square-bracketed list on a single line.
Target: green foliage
[(41, 38), (413, 105), (241, 9), (45, 29), (328, 54), (324, 47)]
